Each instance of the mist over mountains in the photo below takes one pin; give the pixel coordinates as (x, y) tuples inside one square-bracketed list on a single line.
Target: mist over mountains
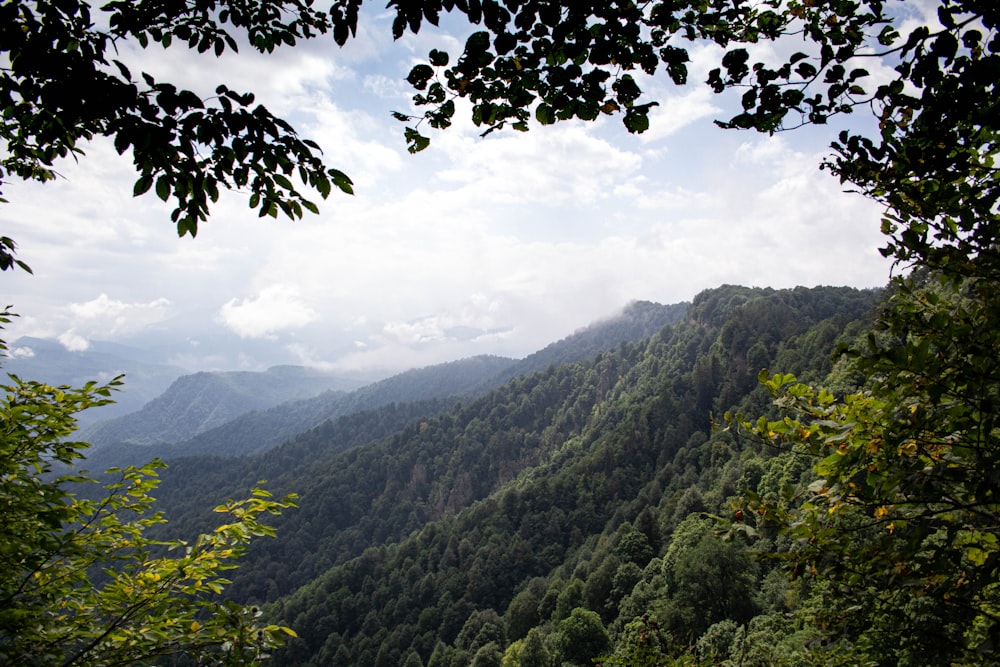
[(237, 413)]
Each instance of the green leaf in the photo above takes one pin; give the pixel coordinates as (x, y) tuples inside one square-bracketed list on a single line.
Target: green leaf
[(415, 141), (544, 114), (438, 58), (342, 181), (142, 185), (635, 122), (322, 185), (419, 76), (163, 187)]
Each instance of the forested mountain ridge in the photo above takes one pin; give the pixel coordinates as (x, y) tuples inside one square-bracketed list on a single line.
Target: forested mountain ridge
[(260, 429), (401, 543), (193, 484), (637, 321), (199, 402), (529, 492)]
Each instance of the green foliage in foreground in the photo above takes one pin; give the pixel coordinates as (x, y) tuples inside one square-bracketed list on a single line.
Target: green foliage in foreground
[(904, 515), (81, 583)]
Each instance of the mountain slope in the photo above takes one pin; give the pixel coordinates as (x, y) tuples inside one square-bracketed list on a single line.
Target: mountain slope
[(405, 547), (146, 377), (637, 321), (260, 429), (539, 491), (202, 401), (465, 378)]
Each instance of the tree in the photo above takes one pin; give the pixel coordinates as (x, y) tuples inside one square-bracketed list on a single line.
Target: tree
[(931, 161), (708, 580), (528, 652), (641, 643), (904, 515), (488, 655), (918, 442), (64, 83), (581, 637), (80, 583)]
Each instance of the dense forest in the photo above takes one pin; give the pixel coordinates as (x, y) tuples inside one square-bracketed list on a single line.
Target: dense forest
[(563, 515)]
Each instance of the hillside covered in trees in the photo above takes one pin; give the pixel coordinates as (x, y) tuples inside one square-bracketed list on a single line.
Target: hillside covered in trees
[(566, 514)]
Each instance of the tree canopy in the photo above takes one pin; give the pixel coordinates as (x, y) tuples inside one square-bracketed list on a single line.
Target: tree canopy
[(81, 580), (64, 82)]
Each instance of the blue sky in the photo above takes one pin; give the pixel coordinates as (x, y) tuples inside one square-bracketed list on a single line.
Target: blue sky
[(494, 245)]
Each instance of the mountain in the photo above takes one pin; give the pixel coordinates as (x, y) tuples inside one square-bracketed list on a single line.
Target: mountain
[(638, 320), (574, 497), (199, 402), (146, 375), (259, 429)]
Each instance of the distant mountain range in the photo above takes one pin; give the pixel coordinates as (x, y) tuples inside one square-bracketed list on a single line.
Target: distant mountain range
[(237, 413), (197, 403), (49, 361)]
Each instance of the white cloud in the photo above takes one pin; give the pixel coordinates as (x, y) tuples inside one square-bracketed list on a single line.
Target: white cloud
[(275, 308), (675, 112), (101, 318), (74, 342), (386, 88), (645, 195), (413, 333), (563, 165), (474, 319), (112, 316), (277, 80), (355, 142)]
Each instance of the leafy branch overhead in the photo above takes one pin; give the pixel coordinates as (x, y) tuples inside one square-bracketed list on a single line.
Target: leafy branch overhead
[(930, 160), (65, 84)]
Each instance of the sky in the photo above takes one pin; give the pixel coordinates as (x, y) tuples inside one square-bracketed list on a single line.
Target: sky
[(495, 245)]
